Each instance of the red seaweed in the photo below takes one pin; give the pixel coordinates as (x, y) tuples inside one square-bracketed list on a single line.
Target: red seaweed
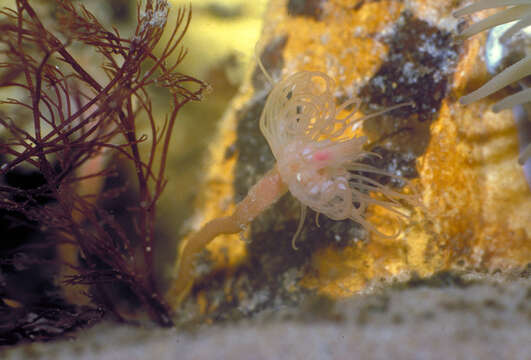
[(64, 116)]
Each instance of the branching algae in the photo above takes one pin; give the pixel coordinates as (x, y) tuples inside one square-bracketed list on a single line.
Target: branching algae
[(64, 116)]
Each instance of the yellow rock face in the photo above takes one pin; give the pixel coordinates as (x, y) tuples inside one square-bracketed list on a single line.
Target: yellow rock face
[(463, 159)]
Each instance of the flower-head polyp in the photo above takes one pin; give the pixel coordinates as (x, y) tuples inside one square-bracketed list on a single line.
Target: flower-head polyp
[(323, 168)]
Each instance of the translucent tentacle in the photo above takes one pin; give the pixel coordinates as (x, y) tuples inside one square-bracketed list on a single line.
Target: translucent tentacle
[(384, 111), (317, 219), (488, 4), (508, 102), (262, 67), (510, 75), (499, 18), (525, 22), (302, 217)]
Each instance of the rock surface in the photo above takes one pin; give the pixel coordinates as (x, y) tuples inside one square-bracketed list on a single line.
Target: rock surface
[(477, 214), (443, 317)]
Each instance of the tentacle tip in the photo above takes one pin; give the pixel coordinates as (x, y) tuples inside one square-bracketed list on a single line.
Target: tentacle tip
[(466, 100), (462, 36)]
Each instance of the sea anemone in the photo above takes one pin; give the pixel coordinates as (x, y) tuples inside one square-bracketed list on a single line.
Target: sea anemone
[(316, 161), (518, 11), (521, 13), (322, 167)]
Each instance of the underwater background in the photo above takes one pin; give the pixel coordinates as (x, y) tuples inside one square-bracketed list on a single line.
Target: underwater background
[(455, 283)]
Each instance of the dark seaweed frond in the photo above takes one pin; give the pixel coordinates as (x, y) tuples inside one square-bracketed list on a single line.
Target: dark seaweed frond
[(65, 116)]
